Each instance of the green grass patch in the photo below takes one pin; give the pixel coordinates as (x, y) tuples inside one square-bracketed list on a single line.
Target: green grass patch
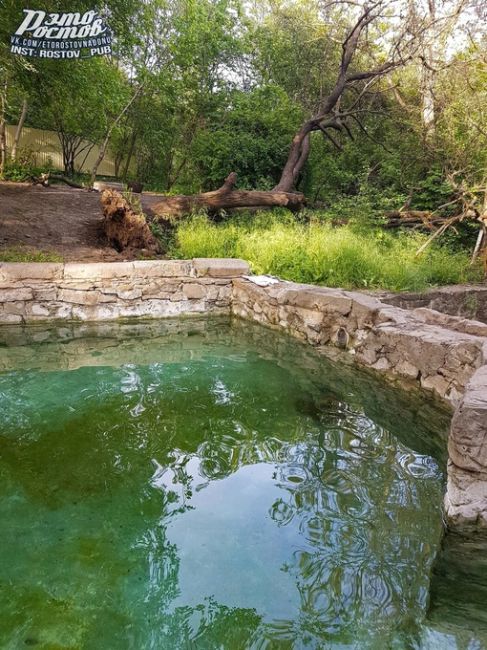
[(19, 254), (322, 254)]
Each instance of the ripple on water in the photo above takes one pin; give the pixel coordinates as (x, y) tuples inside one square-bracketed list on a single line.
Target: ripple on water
[(236, 492)]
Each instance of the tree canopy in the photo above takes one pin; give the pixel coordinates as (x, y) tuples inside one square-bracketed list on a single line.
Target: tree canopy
[(196, 89)]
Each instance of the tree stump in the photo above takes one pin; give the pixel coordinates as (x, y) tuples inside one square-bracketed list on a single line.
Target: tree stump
[(126, 229)]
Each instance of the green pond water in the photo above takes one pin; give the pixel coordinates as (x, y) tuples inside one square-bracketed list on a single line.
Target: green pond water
[(200, 484)]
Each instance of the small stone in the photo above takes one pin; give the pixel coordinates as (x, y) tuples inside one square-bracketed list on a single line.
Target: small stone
[(407, 369), (39, 310), (132, 294), (342, 338), (79, 297), (194, 291), (382, 364), (435, 383), (13, 295), (15, 271)]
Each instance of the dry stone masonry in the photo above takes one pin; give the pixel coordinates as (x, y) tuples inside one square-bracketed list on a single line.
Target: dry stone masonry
[(468, 301), (444, 354), (107, 291), (384, 338)]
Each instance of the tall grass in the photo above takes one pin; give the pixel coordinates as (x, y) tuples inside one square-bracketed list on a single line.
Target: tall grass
[(319, 253)]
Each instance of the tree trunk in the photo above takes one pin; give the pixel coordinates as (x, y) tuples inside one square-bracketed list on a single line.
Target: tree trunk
[(129, 155), (63, 179), (109, 132), (3, 127), (69, 145), (297, 157), (225, 198), (101, 155), (3, 147), (412, 219), (18, 131), (120, 155), (329, 116)]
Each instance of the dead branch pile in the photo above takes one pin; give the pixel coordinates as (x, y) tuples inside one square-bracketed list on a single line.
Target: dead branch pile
[(413, 219)]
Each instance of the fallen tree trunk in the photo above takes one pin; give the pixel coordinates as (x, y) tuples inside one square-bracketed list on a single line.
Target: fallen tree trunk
[(125, 228), (45, 178), (413, 219), (68, 181), (225, 198)]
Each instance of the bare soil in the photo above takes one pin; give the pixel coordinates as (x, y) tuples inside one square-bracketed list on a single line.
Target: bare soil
[(56, 219)]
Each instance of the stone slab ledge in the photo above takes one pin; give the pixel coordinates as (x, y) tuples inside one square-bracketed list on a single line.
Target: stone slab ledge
[(21, 272), (465, 301)]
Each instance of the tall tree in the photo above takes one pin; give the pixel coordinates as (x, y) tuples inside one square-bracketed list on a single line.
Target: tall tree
[(338, 109)]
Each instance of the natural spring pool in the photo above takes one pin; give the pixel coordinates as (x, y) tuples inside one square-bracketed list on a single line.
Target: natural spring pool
[(202, 484)]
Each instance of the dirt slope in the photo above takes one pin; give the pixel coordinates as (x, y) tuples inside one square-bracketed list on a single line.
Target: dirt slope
[(54, 219)]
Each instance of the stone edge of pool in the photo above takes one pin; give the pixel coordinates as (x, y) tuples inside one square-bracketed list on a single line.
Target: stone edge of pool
[(442, 353)]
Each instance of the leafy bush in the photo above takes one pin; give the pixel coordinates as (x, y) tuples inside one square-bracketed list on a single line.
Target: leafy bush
[(249, 135), (432, 191), (20, 171), (164, 233), (320, 253), (24, 168)]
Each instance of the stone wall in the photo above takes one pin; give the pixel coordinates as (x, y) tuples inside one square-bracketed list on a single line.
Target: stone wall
[(466, 496), (443, 354), (106, 291), (469, 301), (384, 338)]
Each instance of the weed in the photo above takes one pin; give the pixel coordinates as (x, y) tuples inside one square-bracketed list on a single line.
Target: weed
[(319, 253)]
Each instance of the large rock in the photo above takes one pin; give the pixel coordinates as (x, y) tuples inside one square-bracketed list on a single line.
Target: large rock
[(98, 270), (219, 268), (466, 499), (21, 271), (467, 444)]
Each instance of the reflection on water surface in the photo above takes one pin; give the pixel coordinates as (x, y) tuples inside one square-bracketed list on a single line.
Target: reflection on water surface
[(194, 485)]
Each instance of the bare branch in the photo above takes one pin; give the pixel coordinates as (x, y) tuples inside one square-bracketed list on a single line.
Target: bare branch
[(329, 137)]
